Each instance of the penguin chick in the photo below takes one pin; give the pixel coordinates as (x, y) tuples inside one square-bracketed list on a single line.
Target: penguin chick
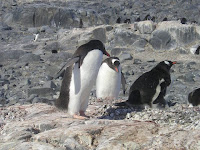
[(79, 78), (109, 79), (150, 88)]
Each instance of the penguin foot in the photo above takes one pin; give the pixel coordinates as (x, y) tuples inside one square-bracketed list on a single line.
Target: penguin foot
[(81, 116), (82, 113)]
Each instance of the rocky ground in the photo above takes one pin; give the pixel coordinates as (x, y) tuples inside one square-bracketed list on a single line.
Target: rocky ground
[(28, 73), (41, 126)]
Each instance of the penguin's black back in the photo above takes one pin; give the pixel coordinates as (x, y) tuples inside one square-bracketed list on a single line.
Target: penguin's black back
[(194, 97), (147, 83), (63, 99), (84, 49)]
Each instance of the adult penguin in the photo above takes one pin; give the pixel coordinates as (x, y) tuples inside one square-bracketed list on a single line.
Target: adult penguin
[(79, 78), (109, 79), (150, 88)]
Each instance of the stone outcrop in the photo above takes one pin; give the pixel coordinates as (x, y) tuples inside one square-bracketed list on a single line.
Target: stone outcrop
[(42, 126)]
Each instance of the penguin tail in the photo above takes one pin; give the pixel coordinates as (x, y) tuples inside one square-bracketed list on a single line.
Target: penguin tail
[(60, 104), (120, 104)]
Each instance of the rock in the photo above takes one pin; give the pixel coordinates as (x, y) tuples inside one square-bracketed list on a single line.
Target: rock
[(24, 16), (145, 27), (189, 77), (109, 28), (162, 40), (195, 49), (36, 100), (4, 82), (59, 57), (5, 27), (28, 145), (11, 55), (140, 44), (125, 56), (44, 124), (30, 47), (33, 30), (49, 84), (44, 28), (123, 37), (41, 92), (184, 34), (52, 46), (31, 97), (99, 34), (29, 57), (117, 51)]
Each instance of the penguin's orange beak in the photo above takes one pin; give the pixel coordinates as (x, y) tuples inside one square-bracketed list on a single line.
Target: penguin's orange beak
[(116, 69), (174, 62), (107, 54)]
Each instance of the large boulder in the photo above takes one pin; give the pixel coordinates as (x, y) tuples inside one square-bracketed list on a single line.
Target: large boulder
[(162, 40), (184, 34), (145, 27), (122, 37)]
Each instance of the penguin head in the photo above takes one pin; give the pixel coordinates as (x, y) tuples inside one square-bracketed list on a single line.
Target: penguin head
[(91, 45), (166, 64), (113, 63), (97, 44)]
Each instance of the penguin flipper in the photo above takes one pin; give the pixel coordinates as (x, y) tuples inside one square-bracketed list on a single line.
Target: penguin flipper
[(70, 62), (123, 82)]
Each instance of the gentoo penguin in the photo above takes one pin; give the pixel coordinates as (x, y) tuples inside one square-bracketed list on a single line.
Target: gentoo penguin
[(150, 87), (109, 79), (194, 97), (79, 78), (36, 37)]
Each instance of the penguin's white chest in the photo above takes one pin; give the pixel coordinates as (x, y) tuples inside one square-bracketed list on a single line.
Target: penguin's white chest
[(108, 82), (83, 79), (158, 90)]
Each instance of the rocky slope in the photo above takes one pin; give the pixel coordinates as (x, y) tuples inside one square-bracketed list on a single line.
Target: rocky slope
[(28, 73), (40, 126)]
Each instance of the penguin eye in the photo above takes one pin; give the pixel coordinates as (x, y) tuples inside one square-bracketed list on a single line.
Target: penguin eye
[(116, 63)]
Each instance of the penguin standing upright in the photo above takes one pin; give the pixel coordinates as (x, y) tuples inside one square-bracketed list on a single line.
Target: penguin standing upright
[(194, 97), (79, 78), (150, 88), (109, 79)]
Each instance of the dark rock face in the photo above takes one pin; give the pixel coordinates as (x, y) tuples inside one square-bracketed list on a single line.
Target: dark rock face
[(124, 38), (186, 36), (162, 40)]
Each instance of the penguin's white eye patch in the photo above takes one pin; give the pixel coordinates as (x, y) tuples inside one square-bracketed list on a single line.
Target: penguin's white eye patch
[(114, 60), (167, 63)]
